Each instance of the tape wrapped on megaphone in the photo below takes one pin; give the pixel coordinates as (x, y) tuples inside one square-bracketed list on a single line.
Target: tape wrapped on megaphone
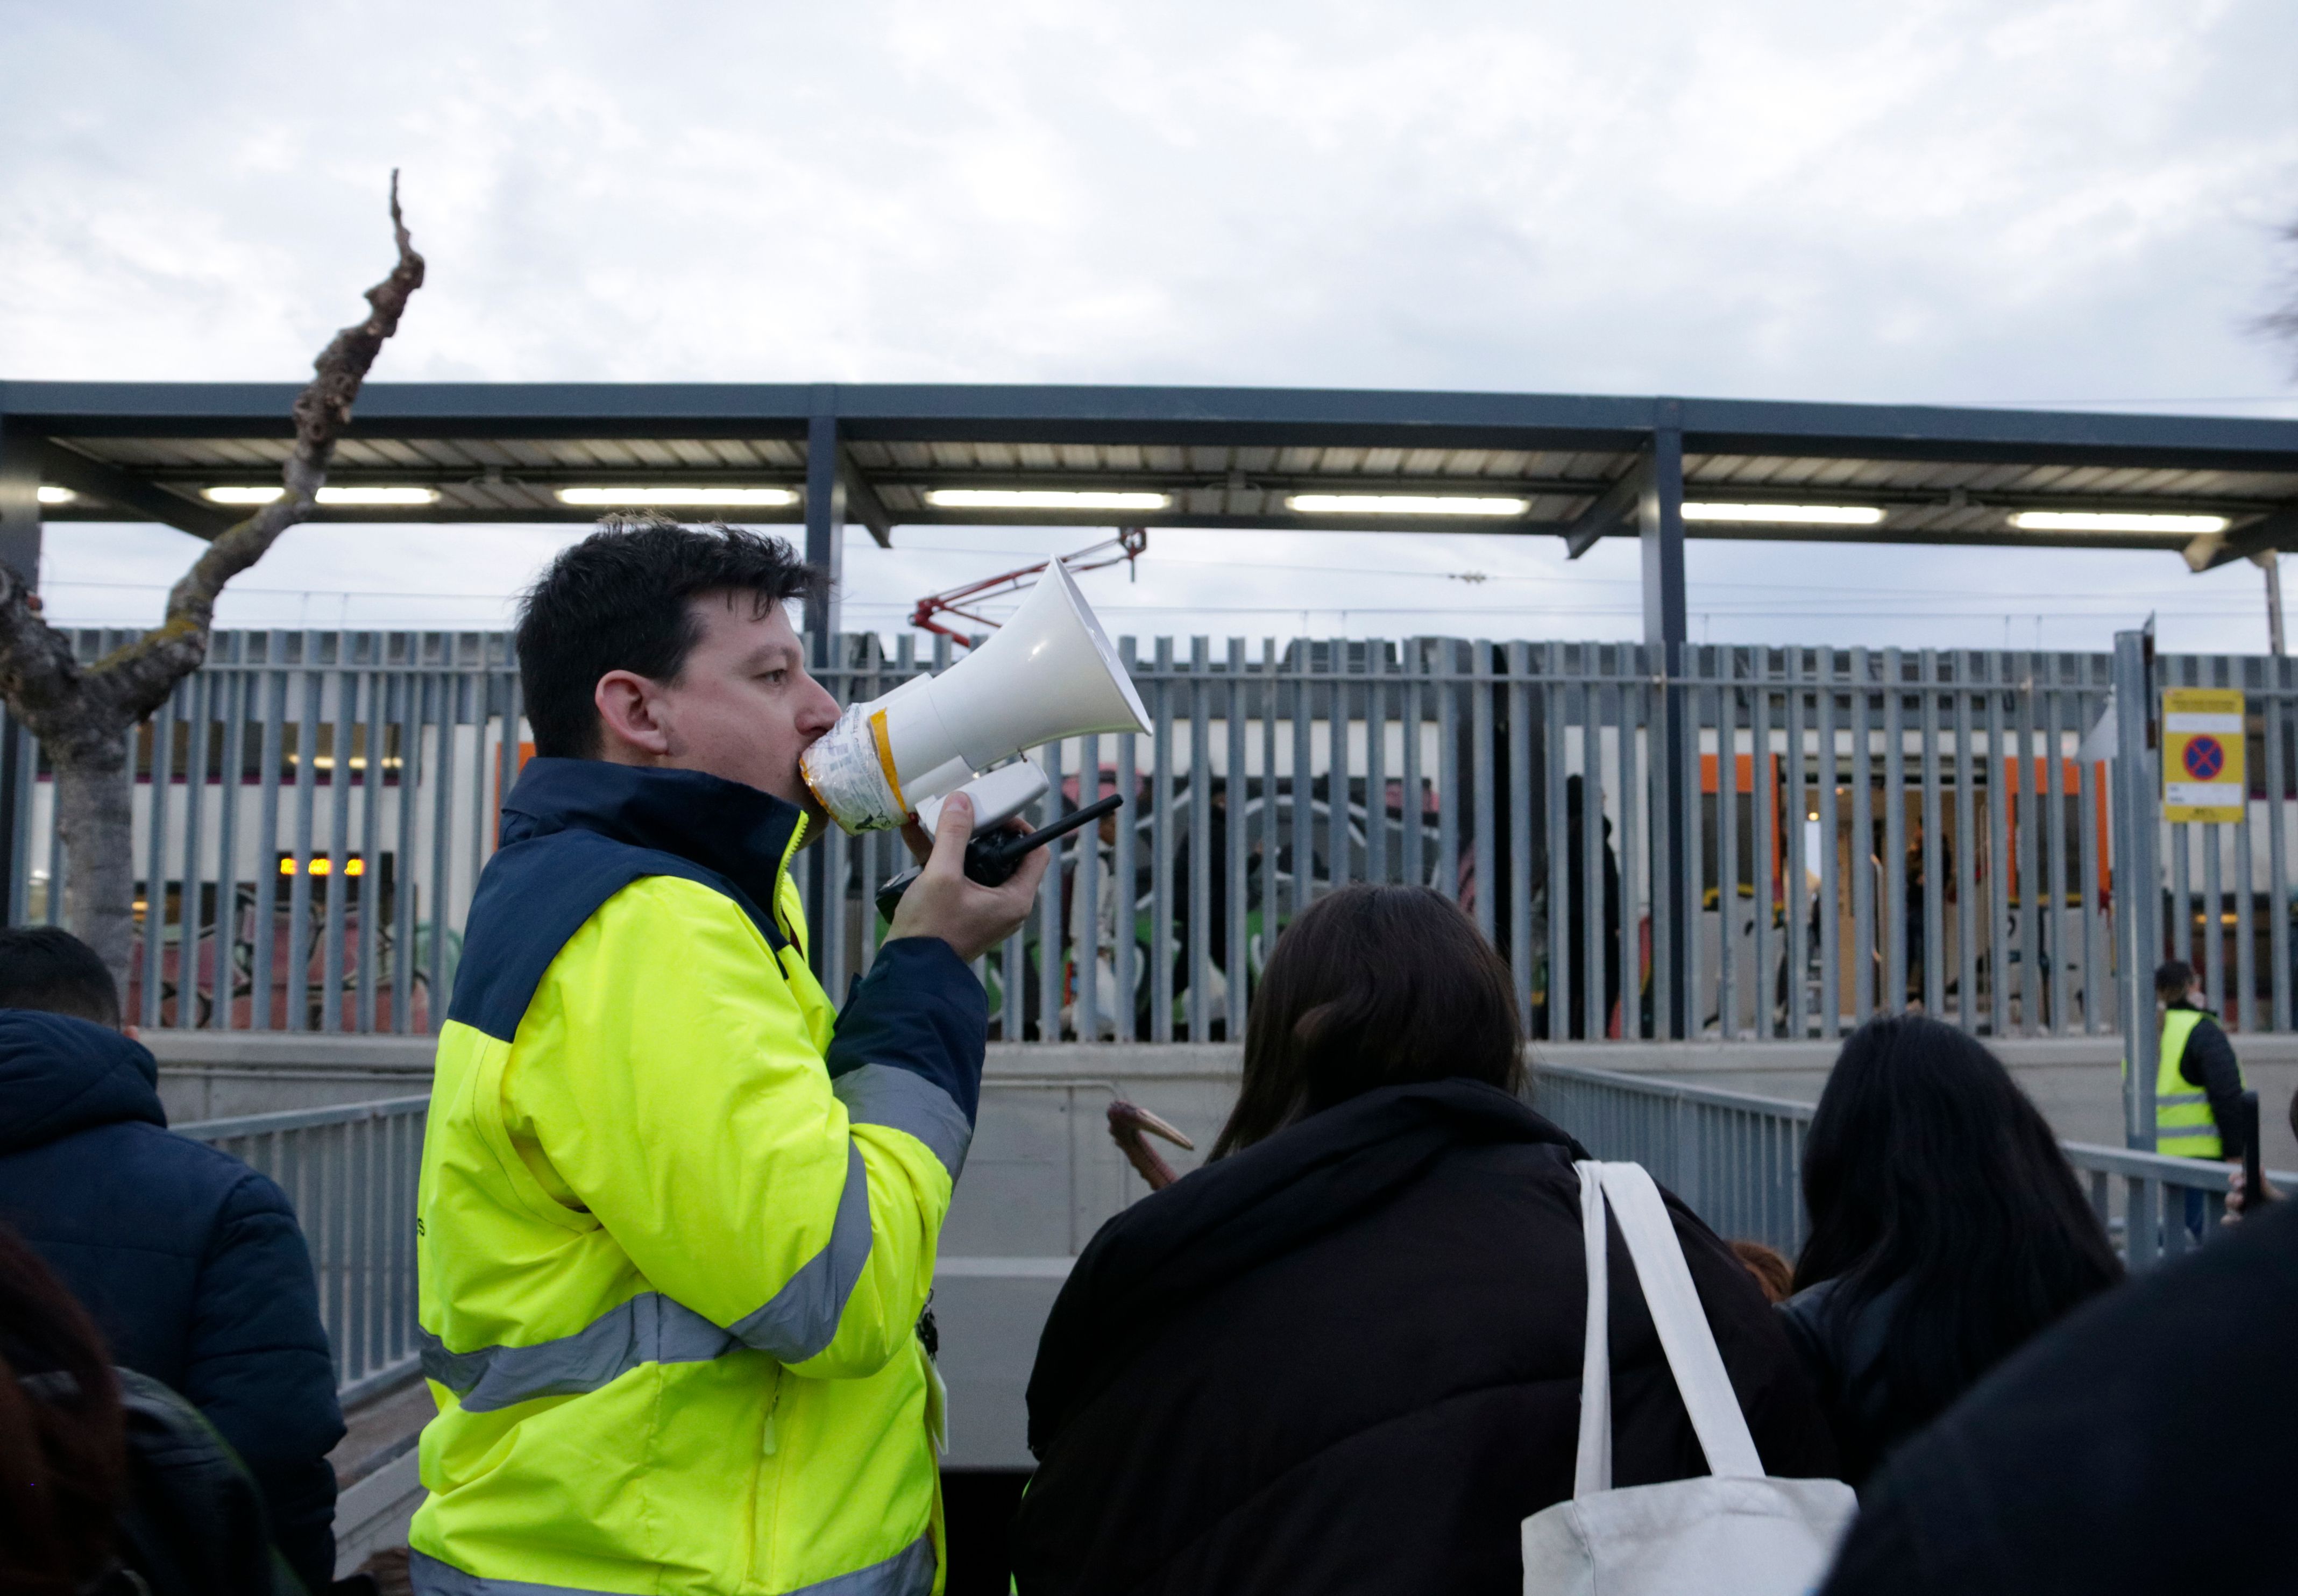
[(1047, 674)]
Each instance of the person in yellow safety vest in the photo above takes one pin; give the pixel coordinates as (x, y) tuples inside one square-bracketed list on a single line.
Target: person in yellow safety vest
[(677, 1218), (2197, 1080)]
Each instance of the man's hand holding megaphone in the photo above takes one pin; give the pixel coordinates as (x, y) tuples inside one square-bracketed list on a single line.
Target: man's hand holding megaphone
[(944, 902)]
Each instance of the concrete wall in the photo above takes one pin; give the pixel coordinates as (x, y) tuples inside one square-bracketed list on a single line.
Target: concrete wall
[(221, 1075)]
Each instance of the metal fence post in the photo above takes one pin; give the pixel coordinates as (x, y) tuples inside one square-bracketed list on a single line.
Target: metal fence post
[(2138, 883)]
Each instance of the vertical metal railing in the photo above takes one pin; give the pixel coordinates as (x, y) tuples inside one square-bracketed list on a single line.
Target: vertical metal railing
[(1864, 829), (311, 813)]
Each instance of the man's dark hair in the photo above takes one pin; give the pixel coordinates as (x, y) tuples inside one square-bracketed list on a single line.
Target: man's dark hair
[(2173, 978), (618, 600), (46, 967)]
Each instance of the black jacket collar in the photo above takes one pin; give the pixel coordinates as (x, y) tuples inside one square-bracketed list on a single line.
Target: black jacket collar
[(1177, 1245), (734, 829)]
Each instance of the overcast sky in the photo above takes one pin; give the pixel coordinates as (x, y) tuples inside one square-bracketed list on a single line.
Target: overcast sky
[(1933, 200)]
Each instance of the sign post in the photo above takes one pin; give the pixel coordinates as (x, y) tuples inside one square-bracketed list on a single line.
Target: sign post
[(2201, 755)]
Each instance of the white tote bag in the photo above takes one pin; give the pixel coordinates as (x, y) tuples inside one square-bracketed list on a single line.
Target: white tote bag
[(1735, 1533)]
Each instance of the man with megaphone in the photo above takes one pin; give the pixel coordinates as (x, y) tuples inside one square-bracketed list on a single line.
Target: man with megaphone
[(677, 1215)]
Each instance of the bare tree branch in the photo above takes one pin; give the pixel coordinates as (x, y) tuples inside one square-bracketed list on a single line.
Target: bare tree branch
[(39, 679), (2283, 322), (82, 715), (140, 675)]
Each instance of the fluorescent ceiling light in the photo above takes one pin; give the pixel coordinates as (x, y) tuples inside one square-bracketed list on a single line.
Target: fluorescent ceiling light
[(696, 496), (2067, 520), (378, 495), (265, 495), (1403, 504), (53, 495), (1043, 499), (1786, 515)]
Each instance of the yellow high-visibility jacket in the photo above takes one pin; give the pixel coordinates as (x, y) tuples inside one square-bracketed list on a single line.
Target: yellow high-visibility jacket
[(2184, 1124), (677, 1219)]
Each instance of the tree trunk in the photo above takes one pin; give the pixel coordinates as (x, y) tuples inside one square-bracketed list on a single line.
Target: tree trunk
[(95, 822)]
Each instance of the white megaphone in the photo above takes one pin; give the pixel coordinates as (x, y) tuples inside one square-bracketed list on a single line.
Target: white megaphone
[(1047, 674)]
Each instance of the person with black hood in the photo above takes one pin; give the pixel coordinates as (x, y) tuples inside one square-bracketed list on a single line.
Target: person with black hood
[(1345, 1355), (191, 1264)]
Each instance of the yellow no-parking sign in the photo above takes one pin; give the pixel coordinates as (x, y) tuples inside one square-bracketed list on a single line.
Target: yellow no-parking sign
[(2201, 755)]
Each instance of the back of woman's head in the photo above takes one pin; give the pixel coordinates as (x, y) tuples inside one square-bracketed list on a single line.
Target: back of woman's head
[(1373, 987), (1928, 1170), (62, 1448)]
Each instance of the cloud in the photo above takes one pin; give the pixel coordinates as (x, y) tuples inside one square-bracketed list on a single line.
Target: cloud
[(1944, 200)]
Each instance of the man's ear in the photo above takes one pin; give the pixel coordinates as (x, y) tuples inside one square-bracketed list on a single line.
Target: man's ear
[(630, 730)]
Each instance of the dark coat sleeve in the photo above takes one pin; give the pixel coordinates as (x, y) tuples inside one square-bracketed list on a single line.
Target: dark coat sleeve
[(2209, 1063), (258, 1369)]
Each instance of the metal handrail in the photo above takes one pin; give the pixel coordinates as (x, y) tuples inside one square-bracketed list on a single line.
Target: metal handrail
[(1758, 1194), (302, 1118), (1786, 1108)]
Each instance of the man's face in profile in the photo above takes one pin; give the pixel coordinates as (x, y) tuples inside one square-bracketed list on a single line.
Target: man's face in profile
[(743, 705)]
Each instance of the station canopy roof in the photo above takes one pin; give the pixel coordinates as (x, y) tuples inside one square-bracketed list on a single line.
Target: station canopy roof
[(1290, 458)]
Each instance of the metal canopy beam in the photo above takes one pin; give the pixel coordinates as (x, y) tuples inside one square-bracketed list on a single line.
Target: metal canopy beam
[(1660, 523), (20, 501), (862, 500), (96, 479), (2278, 531), (1066, 414), (825, 526), (1613, 511)]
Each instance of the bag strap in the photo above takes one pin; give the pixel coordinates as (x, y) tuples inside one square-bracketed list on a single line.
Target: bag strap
[(1591, 1471), (1685, 1335)]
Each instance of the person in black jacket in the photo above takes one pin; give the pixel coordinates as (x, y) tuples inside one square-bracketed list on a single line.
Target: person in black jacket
[(2139, 1447), (1947, 1229), (1345, 1355), (190, 1262)]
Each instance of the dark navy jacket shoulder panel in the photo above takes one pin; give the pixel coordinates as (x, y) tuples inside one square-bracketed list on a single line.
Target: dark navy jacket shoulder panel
[(575, 832), (533, 896)]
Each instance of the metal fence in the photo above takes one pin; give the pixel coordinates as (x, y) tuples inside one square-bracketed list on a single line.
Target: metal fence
[(1737, 1160), (351, 1173), (1789, 840), (1772, 842)]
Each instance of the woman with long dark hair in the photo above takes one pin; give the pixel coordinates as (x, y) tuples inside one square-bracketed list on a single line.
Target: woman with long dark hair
[(1345, 1355), (1947, 1229)]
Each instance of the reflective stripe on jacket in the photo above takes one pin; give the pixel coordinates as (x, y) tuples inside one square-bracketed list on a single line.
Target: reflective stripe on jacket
[(2184, 1125), (677, 1221)]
